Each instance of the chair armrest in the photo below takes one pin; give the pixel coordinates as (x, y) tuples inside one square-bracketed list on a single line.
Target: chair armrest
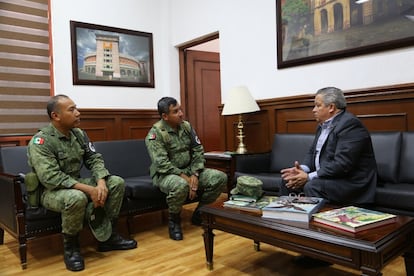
[(253, 163), (11, 201)]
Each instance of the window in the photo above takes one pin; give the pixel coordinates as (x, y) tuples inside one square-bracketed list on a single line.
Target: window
[(24, 66)]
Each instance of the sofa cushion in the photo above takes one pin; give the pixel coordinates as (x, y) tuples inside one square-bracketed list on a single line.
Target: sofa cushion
[(140, 187), (41, 213), (406, 174), (125, 158), (145, 205), (395, 196), (288, 148), (13, 160), (386, 147)]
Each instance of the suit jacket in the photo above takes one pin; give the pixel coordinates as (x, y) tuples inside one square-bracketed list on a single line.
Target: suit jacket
[(347, 161)]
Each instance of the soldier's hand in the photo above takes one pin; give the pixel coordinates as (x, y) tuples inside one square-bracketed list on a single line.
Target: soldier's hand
[(100, 193), (192, 184)]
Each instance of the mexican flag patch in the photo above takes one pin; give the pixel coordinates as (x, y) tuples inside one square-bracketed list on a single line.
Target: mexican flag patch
[(152, 136), (38, 141)]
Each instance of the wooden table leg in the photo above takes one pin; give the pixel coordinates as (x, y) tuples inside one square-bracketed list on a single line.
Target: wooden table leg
[(208, 244), (409, 262), (256, 245)]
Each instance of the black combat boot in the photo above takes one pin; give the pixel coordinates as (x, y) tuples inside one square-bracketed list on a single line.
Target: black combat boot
[(196, 217), (174, 227), (71, 253), (116, 241)]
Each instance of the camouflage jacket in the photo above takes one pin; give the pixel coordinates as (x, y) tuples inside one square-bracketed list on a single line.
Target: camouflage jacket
[(57, 159), (174, 152)]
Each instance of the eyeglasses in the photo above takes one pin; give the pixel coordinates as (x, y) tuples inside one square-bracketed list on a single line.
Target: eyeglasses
[(301, 198)]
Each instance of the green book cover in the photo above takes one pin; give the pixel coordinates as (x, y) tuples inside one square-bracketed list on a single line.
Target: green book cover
[(353, 218)]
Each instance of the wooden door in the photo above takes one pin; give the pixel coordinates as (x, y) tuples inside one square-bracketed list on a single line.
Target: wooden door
[(203, 96)]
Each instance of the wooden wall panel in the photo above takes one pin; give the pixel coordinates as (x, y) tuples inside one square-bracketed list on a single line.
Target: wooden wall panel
[(103, 124), (136, 128), (389, 108), (255, 130), (16, 140), (100, 129), (385, 122)]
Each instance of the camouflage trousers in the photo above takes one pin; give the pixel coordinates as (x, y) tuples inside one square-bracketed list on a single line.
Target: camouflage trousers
[(71, 203), (210, 186)]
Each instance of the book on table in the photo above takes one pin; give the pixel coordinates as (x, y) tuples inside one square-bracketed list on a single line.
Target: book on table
[(293, 208), (250, 206), (353, 219)]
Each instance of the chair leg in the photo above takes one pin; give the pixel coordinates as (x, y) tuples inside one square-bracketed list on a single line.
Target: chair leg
[(1, 236), (23, 252)]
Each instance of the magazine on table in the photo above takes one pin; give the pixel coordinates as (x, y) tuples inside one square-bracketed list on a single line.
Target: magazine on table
[(294, 208), (354, 219)]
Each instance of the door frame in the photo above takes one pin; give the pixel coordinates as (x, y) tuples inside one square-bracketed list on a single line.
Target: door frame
[(182, 62)]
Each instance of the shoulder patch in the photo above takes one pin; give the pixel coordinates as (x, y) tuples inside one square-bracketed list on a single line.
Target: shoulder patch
[(152, 136), (91, 147), (38, 141)]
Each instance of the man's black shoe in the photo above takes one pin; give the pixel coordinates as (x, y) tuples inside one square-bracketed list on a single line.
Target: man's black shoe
[(116, 242), (196, 218), (308, 262), (174, 227)]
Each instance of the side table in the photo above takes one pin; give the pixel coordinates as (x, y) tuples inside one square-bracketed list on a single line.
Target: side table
[(224, 162)]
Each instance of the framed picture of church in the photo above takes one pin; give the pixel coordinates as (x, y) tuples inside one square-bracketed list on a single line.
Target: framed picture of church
[(311, 31), (111, 56)]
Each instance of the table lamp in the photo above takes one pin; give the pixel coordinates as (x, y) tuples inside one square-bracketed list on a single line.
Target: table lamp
[(239, 101)]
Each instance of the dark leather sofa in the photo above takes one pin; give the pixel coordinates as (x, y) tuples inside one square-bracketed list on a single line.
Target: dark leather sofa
[(126, 158), (394, 153)]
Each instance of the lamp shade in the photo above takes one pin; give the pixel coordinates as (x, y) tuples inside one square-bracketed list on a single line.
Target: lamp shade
[(239, 101)]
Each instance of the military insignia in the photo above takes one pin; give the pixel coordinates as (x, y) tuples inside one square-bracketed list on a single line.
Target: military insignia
[(91, 147), (152, 136), (197, 140), (38, 141)]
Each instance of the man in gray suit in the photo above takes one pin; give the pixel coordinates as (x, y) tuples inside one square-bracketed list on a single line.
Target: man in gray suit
[(340, 165)]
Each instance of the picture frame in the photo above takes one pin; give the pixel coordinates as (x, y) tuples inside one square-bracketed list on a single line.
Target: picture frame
[(109, 56), (321, 30)]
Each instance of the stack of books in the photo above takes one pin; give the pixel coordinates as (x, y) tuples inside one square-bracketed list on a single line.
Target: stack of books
[(250, 204), (293, 208), (353, 219)]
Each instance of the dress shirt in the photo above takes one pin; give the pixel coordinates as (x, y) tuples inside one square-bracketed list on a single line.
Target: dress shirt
[(326, 129)]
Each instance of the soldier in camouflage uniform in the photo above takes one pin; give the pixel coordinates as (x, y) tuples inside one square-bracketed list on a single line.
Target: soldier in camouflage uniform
[(178, 165), (56, 154)]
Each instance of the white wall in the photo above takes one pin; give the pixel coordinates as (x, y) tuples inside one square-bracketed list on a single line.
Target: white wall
[(248, 51), (247, 31), (141, 15)]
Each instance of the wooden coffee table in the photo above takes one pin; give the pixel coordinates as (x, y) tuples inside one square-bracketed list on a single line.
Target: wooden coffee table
[(368, 251)]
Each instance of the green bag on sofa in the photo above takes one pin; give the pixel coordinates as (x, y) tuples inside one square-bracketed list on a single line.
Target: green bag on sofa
[(33, 188)]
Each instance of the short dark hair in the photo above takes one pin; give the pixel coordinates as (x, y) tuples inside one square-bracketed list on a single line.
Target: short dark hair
[(52, 104), (333, 95), (164, 105)]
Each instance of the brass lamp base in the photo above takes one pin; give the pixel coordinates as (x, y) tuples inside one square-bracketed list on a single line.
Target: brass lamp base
[(241, 148)]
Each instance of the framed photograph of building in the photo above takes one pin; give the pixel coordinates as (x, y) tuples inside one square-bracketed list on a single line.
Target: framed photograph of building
[(311, 31), (104, 55)]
